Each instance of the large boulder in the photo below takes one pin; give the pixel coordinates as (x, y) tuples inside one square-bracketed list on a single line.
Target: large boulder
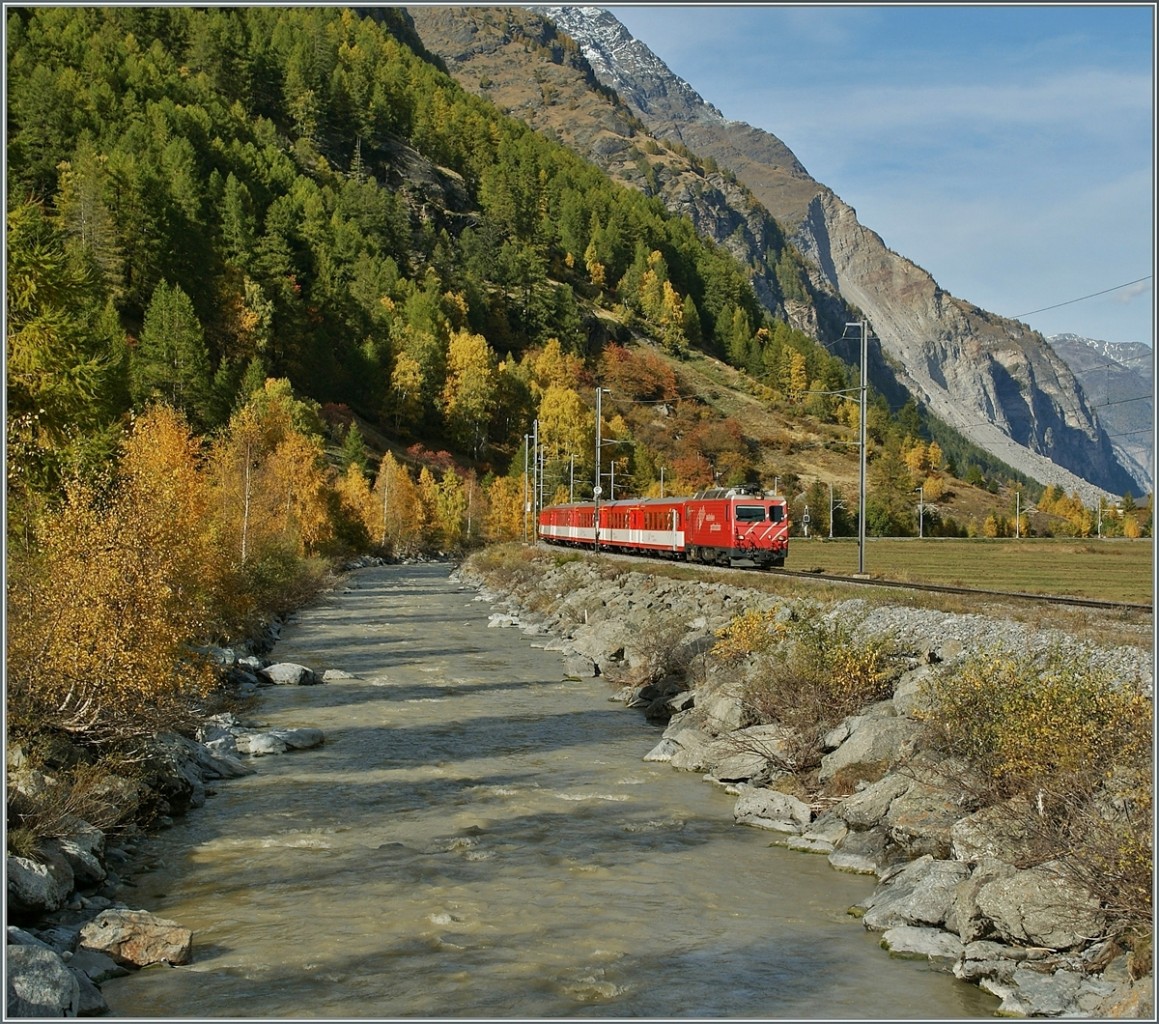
[(910, 942), (722, 710), (1002, 831), (767, 808), (286, 673), (1041, 907), (39, 984), (874, 745), (868, 807), (137, 938), (921, 818), (38, 887), (967, 919), (921, 893)]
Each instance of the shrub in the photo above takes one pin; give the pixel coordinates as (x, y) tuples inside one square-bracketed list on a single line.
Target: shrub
[(65, 800), (1028, 724), (98, 623), (751, 632), (1067, 749), (808, 675)]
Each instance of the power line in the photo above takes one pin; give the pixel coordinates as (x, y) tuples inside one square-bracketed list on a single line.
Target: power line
[(1083, 298)]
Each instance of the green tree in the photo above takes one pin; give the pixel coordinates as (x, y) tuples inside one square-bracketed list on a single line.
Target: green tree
[(171, 361)]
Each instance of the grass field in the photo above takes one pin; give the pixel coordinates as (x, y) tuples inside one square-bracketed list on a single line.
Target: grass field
[(1109, 570)]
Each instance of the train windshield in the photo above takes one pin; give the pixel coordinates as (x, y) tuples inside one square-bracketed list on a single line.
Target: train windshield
[(750, 513)]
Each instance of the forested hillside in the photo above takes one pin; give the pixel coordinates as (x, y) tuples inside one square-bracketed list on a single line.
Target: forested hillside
[(203, 199), (293, 193)]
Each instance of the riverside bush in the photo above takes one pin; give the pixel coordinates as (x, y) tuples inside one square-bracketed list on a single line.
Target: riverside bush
[(807, 674), (1067, 750)]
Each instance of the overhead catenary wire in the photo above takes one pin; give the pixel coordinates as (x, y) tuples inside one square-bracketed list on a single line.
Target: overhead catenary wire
[(1082, 298)]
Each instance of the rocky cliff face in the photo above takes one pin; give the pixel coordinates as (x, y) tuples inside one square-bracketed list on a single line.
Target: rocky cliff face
[(994, 380)]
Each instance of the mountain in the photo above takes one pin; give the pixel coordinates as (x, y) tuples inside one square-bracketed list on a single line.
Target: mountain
[(1119, 382), (994, 380)]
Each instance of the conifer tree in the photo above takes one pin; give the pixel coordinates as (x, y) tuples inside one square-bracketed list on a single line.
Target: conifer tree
[(171, 361)]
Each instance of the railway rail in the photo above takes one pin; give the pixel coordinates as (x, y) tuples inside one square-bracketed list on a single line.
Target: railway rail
[(876, 581), (873, 581)]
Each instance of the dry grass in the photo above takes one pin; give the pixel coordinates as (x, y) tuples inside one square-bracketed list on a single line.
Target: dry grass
[(1108, 570)]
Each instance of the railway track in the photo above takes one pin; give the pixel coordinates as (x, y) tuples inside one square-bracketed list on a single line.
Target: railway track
[(1059, 599), (874, 581)]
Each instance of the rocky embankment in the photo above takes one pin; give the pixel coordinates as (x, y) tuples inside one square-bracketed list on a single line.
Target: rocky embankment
[(945, 882)]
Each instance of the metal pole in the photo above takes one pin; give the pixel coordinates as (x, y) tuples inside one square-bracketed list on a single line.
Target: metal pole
[(596, 489), (864, 402), (535, 472), (661, 481), (571, 479), (612, 485), (526, 452), (830, 511)]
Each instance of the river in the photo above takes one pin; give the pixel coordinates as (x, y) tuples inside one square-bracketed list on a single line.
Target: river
[(479, 838)]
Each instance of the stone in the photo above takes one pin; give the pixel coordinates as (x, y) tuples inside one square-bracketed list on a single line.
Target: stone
[(873, 742), (1041, 907), (580, 666), (921, 893), (137, 938), (98, 967), (909, 698), (82, 852), (260, 744), (287, 673), (920, 820), (912, 942), (869, 806), (859, 853), (968, 920), (767, 808), (306, 738), (90, 1001), (1037, 993), (663, 751), (997, 832), (824, 835), (39, 984), (35, 888), (723, 712)]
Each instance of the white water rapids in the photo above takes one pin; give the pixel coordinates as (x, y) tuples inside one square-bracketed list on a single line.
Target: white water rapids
[(478, 838)]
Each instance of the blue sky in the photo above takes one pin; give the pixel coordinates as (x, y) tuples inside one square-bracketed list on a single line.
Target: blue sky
[(1008, 150)]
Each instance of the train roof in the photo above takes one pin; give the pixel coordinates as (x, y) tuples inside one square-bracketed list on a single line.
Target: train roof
[(751, 493)]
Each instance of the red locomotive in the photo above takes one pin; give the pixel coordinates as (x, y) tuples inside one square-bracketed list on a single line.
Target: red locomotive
[(736, 526)]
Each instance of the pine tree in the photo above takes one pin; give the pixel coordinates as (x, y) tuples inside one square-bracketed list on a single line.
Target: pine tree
[(171, 361)]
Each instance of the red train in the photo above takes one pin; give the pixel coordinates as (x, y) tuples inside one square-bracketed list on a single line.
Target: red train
[(734, 526)]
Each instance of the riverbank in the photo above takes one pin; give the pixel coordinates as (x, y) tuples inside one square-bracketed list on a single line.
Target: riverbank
[(608, 628), (953, 883), (480, 836)]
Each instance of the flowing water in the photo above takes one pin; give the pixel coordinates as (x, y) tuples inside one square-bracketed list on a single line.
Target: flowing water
[(478, 838)]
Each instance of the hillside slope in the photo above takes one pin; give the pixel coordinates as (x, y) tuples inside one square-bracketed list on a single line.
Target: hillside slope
[(994, 380)]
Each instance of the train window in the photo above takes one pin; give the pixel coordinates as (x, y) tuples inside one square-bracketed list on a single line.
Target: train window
[(776, 513), (750, 513)]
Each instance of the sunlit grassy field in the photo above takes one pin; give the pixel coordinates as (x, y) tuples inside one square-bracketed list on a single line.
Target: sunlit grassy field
[(1110, 570)]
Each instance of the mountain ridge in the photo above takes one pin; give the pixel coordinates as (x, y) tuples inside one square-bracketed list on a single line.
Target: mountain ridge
[(1119, 379)]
